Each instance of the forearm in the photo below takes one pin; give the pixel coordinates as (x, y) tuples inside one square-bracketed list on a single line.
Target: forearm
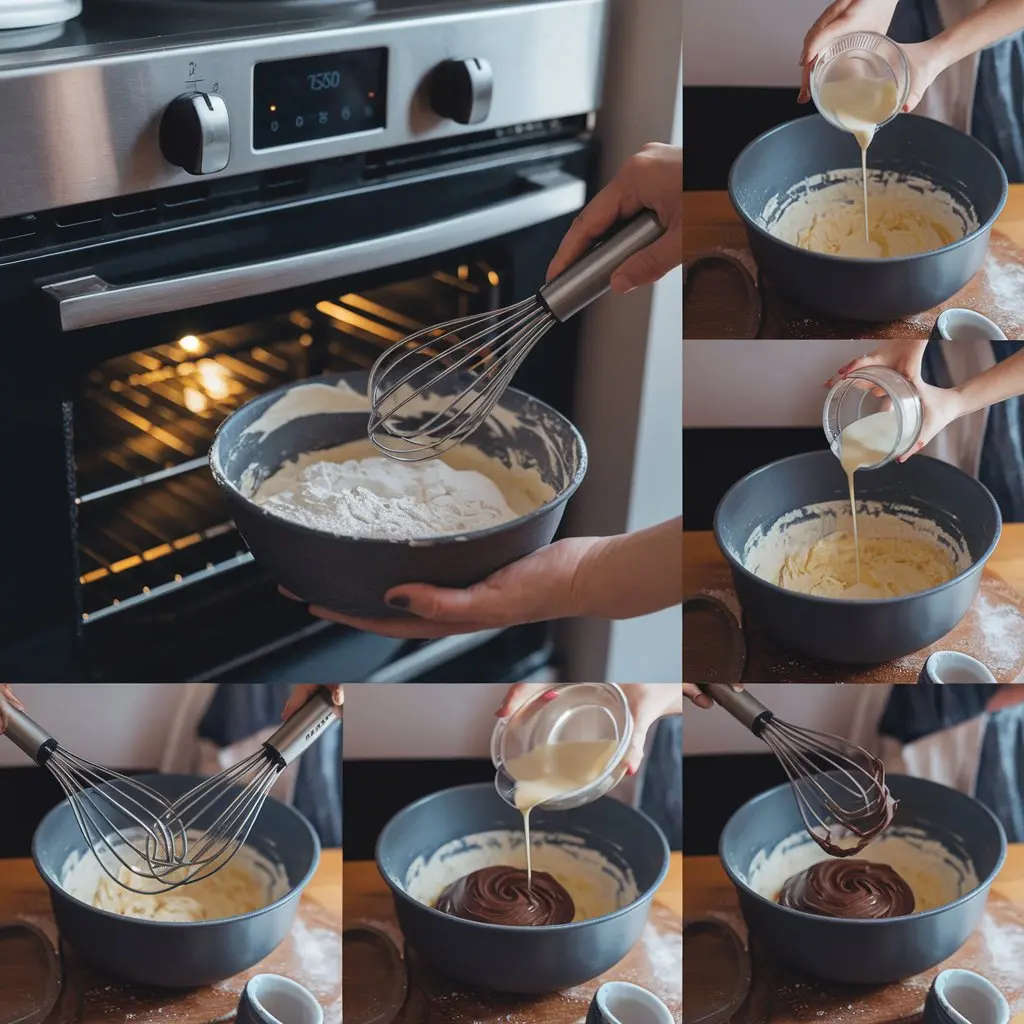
[(996, 384), (983, 27), (633, 573)]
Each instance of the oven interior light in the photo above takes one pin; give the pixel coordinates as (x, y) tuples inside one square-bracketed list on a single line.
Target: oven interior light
[(273, 107), (190, 343), (492, 277), (463, 272)]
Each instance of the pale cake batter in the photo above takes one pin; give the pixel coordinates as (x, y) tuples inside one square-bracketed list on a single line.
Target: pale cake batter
[(825, 214), (866, 442), (889, 567), (246, 883), (550, 770), (810, 550), (860, 104)]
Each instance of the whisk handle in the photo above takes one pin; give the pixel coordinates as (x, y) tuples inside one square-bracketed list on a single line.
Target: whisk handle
[(591, 276), (743, 706), (26, 733), (304, 728)]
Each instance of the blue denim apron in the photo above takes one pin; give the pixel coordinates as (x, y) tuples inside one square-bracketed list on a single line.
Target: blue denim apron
[(997, 118), (913, 712), (661, 795), (1002, 453), (241, 709)]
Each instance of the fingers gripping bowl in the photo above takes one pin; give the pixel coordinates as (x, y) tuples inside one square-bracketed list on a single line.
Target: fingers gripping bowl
[(912, 149), (179, 954), (525, 440), (923, 491), (951, 845), (461, 829)]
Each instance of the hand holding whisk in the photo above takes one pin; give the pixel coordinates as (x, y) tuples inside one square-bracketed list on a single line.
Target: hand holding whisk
[(124, 822), (219, 813), (837, 784), (434, 388)]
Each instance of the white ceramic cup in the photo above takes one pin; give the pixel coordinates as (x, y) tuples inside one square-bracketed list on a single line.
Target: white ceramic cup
[(965, 325), (949, 667), (963, 997), (271, 999), (619, 1002)]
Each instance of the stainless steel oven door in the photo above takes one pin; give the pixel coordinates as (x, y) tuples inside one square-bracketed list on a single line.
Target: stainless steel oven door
[(89, 301)]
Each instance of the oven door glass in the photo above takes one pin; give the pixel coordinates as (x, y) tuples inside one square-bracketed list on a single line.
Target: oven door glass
[(165, 585)]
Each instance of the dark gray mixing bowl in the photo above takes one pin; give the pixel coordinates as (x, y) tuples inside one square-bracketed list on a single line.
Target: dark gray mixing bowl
[(178, 954), (858, 631), (868, 289), (352, 575), (502, 958), (867, 952)]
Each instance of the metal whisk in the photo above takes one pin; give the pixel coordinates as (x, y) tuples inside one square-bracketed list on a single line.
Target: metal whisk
[(220, 812), (122, 820), (434, 388), (837, 784)]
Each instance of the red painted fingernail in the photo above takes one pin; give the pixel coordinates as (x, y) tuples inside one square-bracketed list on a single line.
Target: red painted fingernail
[(550, 695)]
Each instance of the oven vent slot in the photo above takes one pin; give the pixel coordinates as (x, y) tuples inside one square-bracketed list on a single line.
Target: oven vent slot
[(108, 220), (421, 155)]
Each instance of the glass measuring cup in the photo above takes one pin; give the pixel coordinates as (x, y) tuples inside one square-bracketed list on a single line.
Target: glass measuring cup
[(580, 712), (864, 55), (862, 393)]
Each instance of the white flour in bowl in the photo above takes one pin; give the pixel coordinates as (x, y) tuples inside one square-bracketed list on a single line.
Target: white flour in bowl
[(379, 498)]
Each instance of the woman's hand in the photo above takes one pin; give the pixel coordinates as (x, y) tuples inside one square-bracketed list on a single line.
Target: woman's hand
[(926, 59), (303, 691), (836, 20), (940, 406), (697, 695), (7, 694), (541, 586), (648, 702), (617, 577), (651, 179)]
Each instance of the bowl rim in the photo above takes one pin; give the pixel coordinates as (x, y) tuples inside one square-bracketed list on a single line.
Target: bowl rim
[(296, 890), (544, 929), (982, 887), (886, 261), (449, 538), (838, 602)]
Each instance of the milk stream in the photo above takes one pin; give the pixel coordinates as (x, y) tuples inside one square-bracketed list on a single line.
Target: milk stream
[(860, 104), (866, 442), (551, 770)]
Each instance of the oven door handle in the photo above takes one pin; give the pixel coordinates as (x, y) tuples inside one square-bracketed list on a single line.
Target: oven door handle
[(89, 301)]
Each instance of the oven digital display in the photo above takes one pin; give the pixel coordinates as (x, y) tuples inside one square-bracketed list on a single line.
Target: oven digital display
[(318, 97)]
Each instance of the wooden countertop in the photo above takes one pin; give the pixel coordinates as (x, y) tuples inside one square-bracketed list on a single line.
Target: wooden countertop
[(710, 221), (705, 878), (19, 875), (701, 554), (363, 879)]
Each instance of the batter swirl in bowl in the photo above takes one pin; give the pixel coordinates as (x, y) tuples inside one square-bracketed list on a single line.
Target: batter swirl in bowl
[(850, 889), (502, 895)]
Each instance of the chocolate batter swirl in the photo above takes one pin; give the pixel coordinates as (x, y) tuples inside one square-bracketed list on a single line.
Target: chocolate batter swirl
[(500, 895), (849, 888)]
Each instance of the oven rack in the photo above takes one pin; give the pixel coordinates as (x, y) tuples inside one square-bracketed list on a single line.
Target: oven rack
[(152, 414), (151, 519)]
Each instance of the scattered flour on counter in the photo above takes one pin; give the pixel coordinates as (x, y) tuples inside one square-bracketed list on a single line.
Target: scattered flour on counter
[(380, 499)]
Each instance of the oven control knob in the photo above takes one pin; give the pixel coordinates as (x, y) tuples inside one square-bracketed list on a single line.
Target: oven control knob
[(195, 133), (461, 90)]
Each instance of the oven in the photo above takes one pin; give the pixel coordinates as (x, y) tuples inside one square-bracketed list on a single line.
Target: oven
[(192, 219)]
